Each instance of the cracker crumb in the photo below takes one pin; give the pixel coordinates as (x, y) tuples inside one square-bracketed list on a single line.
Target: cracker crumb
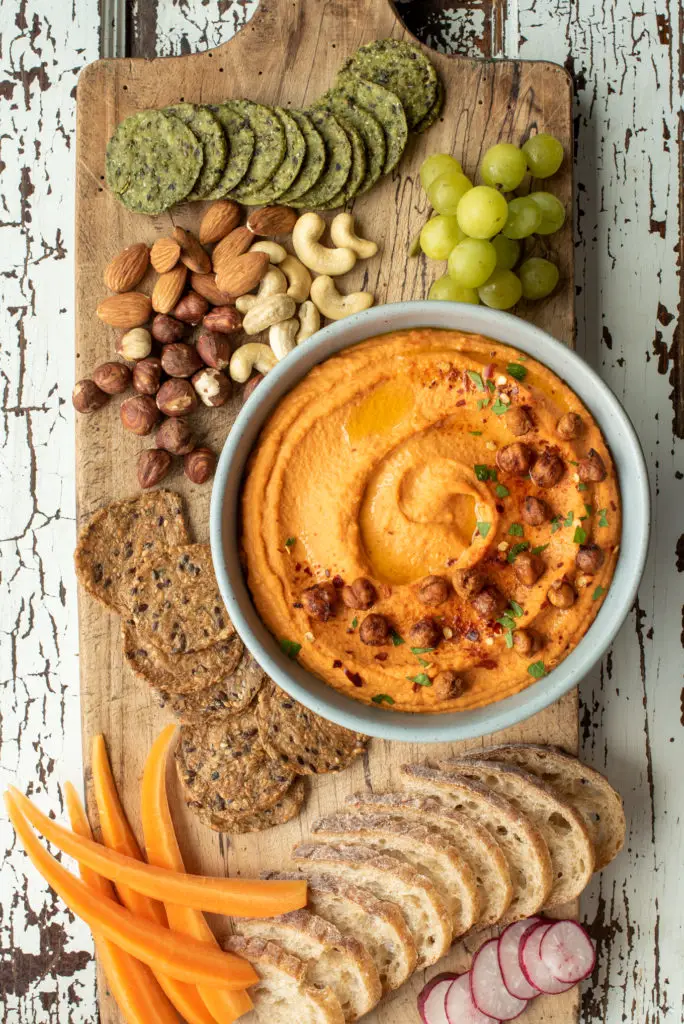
[(310, 637), (491, 446)]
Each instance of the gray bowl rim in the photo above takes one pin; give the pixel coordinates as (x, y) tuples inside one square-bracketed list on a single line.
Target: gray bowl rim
[(317, 695)]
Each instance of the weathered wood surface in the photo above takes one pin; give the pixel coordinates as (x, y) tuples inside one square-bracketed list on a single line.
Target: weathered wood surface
[(629, 152)]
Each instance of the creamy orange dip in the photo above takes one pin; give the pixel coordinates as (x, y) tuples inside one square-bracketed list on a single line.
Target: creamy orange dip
[(390, 463)]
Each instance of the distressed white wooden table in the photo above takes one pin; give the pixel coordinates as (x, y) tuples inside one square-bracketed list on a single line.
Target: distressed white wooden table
[(628, 64)]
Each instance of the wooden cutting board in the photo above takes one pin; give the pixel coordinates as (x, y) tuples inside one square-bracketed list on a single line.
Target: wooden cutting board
[(288, 54)]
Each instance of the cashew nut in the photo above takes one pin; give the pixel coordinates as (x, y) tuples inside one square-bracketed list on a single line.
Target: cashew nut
[(343, 234), (281, 337), (309, 321), (265, 312), (252, 356), (336, 306), (244, 303), (305, 234), (275, 252), (298, 278), (272, 283)]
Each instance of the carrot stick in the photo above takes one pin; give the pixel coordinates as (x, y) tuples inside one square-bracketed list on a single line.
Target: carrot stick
[(132, 984), (161, 949), (162, 850), (236, 897), (118, 835)]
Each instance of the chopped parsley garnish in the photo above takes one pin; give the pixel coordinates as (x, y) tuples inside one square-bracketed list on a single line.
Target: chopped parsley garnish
[(603, 517), (501, 491), (482, 403), (537, 669), (476, 379), (582, 487), (422, 650), (580, 535), (421, 679), (354, 622), (556, 524), (290, 542), (475, 433), (499, 407), (290, 648), (490, 385), (483, 528), (484, 473), (538, 550), (523, 545), (517, 371), (569, 519), (516, 530), (516, 609), (508, 637), (589, 509), (599, 592), (382, 698), (573, 463), (507, 622), (396, 639)]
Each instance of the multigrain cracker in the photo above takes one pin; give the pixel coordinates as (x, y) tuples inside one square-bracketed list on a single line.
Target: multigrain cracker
[(338, 155), (209, 132), (314, 158), (403, 69), (269, 148), (288, 807), (180, 673), (368, 128), (385, 107), (291, 165), (219, 700), (357, 172), (240, 140)]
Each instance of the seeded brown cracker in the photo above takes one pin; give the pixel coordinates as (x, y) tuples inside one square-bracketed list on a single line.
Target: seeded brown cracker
[(180, 673), (288, 807), (219, 700), (298, 738), (118, 536)]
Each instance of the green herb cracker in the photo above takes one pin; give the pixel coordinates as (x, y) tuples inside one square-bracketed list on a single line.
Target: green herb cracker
[(292, 161), (338, 153), (240, 139), (385, 108), (209, 133), (269, 149), (403, 69), (314, 158)]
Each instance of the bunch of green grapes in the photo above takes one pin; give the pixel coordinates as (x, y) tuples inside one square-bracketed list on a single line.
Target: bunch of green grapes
[(479, 231)]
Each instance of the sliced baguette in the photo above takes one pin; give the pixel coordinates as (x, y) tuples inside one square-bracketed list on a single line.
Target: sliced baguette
[(378, 924), (331, 958), (589, 792), (283, 994), (522, 843), (416, 845), (423, 908), (471, 839), (564, 832)]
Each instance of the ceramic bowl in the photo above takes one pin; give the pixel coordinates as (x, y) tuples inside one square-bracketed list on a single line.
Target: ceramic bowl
[(448, 726)]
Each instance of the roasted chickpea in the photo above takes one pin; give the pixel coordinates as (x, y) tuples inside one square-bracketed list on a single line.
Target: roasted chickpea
[(447, 685), (548, 469), (468, 582), (528, 568), (592, 469), (425, 633), (535, 511), (526, 642), (433, 590), (361, 595), (515, 458), (518, 421), (489, 603), (374, 630), (569, 426), (320, 601), (589, 559), (561, 594)]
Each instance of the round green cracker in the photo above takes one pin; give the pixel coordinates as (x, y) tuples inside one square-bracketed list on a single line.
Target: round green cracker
[(368, 128), (433, 113), (269, 149), (240, 139), (403, 69), (358, 167), (338, 152), (385, 108), (209, 132), (152, 161), (314, 158), (291, 165)]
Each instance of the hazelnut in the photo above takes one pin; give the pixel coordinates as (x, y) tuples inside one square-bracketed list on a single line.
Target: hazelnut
[(214, 349), (528, 568), (180, 360), (213, 387), (320, 601), (561, 594), (87, 397), (191, 308), (139, 414), (535, 511), (592, 469), (489, 603), (135, 344), (223, 319), (518, 421), (176, 398), (165, 329), (548, 469), (515, 458), (569, 426), (153, 465), (526, 642), (251, 385), (447, 685), (147, 376), (468, 582), (374, 630), (589, 559), (114, 378), (361, 595), (433, 590), (425, 633), (175, 436), (199, 465)]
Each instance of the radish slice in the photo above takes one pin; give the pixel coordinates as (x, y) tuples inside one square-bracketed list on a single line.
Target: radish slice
[(509, 959), (487, 988), (432, 998), (460, 1008), (533, 967), (568, 952)]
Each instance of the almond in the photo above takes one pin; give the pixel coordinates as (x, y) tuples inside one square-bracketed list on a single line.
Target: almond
[(242, 273), (272, 220), (219, 221), (234, 244), (165, 254), (130, 309), (192, 254), (205, 284), (168, 289), (127, 268)]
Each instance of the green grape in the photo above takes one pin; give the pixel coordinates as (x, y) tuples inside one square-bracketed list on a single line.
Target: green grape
[(445, 288), (438, 237), (544, 155), (503, 166), (538, 277), (482, 212), (507, 252), (471, 262), (438, 163), (553, 212), (524, 218), (501, 291), (446, 191)]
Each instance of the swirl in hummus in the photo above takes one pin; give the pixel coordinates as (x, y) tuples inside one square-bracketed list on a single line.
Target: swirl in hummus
[(433, 517)]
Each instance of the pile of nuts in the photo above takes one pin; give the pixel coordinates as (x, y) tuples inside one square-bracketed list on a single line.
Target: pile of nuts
[(170, 372)]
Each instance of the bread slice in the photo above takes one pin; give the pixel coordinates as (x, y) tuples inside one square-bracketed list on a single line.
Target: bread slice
[(423, 908), (522, 844), (472, 840), (565, 834), (415, 845), (378, 924), (585, 789), (283, 994)]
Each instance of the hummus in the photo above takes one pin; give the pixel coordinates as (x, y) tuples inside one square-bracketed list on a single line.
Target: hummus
[(462, 489)]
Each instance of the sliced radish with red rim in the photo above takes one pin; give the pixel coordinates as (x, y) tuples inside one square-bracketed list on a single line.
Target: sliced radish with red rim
[(533, 967), (432, 998), (509, 959), (568, 952), (487, 987), (460, 1008)]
